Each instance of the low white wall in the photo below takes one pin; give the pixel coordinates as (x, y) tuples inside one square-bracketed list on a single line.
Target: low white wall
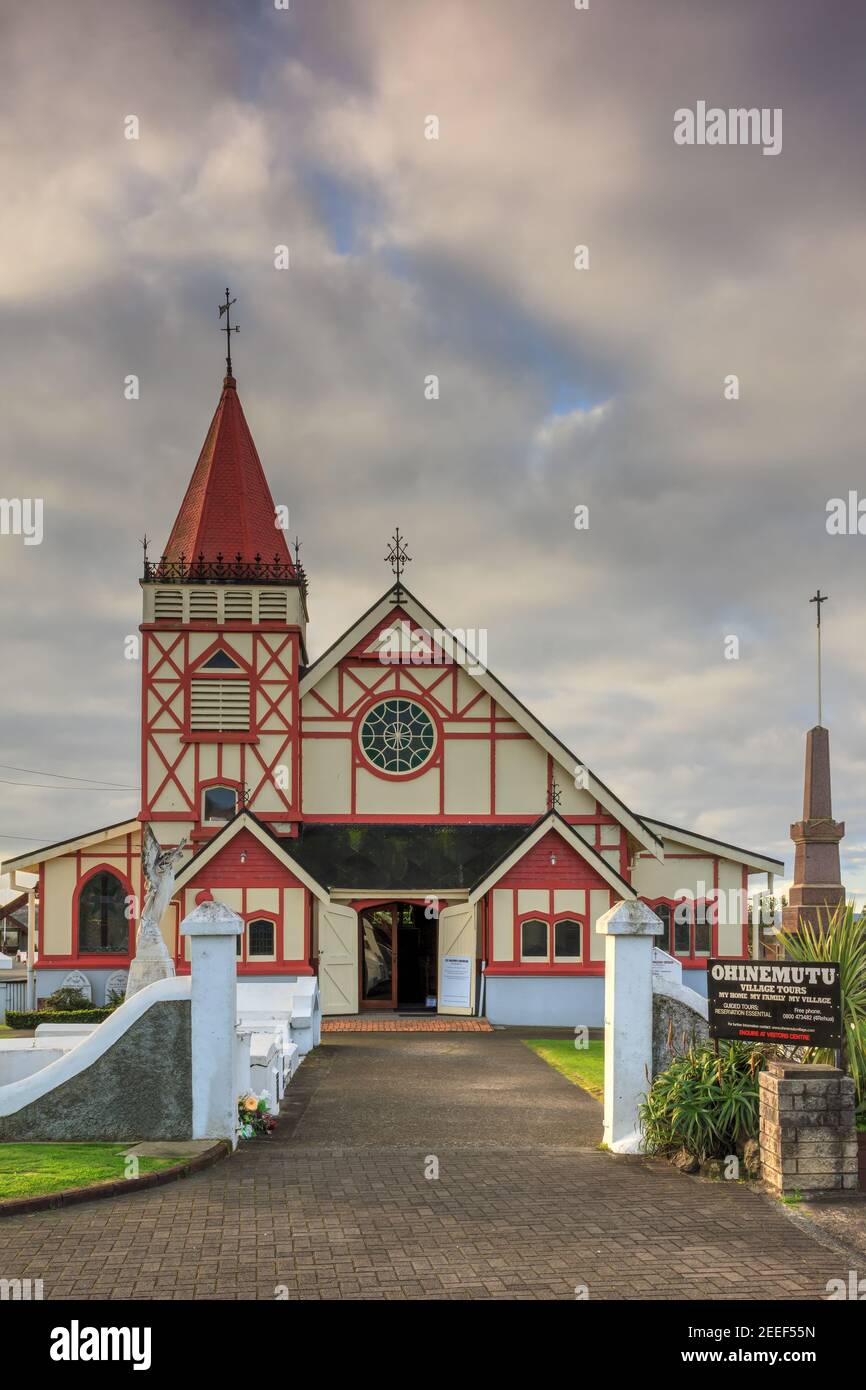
[(17, 1094), (20, 1057)]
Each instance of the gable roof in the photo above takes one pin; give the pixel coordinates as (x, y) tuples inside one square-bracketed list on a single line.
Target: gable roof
[(761, 863), (401, 858), (29, 862), (552, 821), (228, 508), (384, 608), (245, 820)]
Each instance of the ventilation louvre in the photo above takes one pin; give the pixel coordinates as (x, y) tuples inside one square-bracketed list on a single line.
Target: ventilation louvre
[(238, 605), (272, 606), (168, 605), (219, 706), (202, 604)]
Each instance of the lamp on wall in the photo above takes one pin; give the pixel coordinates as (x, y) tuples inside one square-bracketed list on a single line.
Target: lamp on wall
[(243, 856)]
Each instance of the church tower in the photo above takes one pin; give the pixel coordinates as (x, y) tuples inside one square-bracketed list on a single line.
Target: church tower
[(223, 632)]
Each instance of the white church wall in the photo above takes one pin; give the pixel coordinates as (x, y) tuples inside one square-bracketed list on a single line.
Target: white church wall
[(60, 877), (326, 775), (521, 777), (503, 924), (654, 880), (733, 909), (294, 900), (467, 776), (380, 796)]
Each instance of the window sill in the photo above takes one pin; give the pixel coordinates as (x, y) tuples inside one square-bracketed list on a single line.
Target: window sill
[(214, 736)]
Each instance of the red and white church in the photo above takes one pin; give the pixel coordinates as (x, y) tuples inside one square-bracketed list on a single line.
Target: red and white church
[(387, 816)]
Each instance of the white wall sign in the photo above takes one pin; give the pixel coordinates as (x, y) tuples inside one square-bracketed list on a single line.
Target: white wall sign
[(456, 982)]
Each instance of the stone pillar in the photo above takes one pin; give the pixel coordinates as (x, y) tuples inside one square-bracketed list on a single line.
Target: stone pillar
[(630, 928), (213, 930), (808, 1135), (817, 887)]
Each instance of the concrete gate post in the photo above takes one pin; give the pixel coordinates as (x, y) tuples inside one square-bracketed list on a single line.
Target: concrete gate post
[(213, 930), (629, 929)]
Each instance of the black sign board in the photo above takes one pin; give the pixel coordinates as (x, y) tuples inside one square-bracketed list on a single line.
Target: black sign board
[(775, 1001)]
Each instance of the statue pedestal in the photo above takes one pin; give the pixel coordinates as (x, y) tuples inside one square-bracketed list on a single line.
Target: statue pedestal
[(152, 962)]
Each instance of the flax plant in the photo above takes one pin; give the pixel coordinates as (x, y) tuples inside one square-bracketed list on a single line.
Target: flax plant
[(840, 938), (703, 1102)]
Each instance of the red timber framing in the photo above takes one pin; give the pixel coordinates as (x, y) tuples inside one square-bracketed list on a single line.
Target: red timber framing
[(124, 861), (167, 672), (458, 714), (535, 871), (711, 905), (259, 868)]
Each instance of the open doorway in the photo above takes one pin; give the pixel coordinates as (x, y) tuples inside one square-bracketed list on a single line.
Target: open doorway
[(398, 957)]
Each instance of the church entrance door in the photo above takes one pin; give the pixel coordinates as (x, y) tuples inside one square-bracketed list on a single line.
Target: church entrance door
[(397, 957)]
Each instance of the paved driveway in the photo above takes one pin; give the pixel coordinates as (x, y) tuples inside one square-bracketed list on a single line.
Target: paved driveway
[(338, 1202)]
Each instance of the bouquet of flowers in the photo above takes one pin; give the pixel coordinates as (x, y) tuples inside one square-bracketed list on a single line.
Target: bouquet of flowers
[(254, 1117)]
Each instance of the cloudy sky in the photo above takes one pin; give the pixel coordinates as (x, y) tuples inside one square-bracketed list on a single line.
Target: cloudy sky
[(601, 387)]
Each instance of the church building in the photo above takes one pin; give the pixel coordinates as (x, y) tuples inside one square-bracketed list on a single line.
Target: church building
[(385, 815)]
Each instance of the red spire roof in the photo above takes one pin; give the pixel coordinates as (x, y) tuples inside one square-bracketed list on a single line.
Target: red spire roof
[(228, 508)]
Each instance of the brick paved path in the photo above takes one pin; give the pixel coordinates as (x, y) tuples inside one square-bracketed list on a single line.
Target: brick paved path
[(337, 1204)]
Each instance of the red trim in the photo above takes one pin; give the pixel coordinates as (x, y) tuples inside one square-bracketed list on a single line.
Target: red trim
[(693, 959), (507, 967), (359, 759), (103, 868)]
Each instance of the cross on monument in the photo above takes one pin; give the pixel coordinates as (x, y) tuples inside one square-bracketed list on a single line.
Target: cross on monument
[(818, 599), (229, 329), (398, 557)]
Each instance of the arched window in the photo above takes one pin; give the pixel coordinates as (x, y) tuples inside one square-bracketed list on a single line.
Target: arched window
[(566, 939), (533, 939), (220, 804), (261, 939), (102, 921)]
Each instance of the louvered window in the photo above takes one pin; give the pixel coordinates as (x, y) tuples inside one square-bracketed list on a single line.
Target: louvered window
[(202, 604), (168, 605), (238, 605), (272, 606), (219, 705)]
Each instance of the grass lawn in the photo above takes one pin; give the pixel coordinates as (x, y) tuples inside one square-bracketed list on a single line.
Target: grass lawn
[(30, 1170), (7, 1032), (583, 1066)]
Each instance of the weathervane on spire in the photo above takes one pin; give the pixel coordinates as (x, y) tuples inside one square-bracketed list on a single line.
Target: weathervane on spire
[(398, 557), (229, 329), (818, 599)]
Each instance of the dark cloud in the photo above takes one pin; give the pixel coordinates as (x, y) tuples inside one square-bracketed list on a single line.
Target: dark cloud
[(455, 257)]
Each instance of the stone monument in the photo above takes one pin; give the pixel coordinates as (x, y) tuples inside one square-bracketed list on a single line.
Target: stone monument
[(817, 888), (152, 960)]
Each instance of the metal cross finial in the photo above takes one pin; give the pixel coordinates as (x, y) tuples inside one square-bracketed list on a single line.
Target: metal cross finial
[(296, 546), (144, 546), (818, 599), (398, 557), (229, 329), (554, 796)]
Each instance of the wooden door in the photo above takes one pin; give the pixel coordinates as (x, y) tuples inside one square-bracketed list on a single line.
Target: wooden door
[(457, 943), (338, 959)]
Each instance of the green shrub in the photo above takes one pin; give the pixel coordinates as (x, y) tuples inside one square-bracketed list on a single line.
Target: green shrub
[(32, 1018), (841, 939), (67, 1000), (704, 1103)]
